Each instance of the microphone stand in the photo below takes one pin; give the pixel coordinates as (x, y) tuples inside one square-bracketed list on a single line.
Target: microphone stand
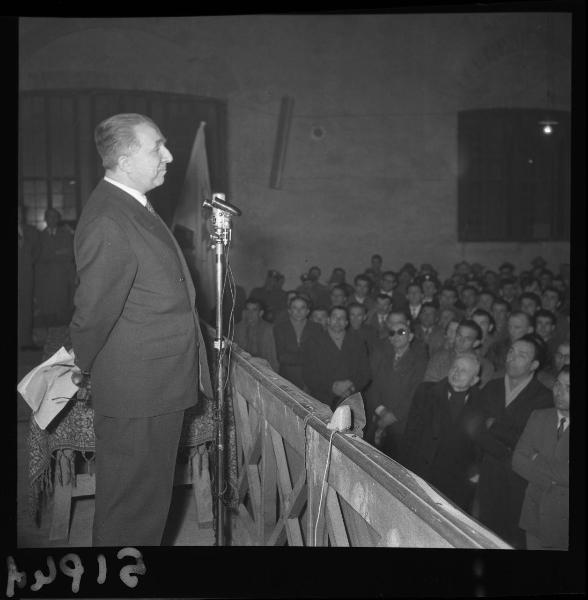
[(220, 237)]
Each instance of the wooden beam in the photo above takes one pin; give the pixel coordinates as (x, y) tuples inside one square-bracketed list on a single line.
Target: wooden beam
[(297, 498), (285, 485), (268, 485), (278, 535), (335, 521), (248, 525)]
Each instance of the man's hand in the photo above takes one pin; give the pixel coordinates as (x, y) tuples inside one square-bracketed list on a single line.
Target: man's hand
[(343, 388), (489, 422), (82, 380), (386, 418)]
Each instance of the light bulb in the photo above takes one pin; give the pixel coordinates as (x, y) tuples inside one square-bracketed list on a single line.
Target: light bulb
[(547, 129)]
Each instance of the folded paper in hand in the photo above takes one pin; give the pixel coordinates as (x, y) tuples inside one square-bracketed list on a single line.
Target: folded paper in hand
[(48, 387)]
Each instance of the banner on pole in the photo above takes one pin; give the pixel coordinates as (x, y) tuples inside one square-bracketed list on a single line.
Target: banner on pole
[(189, 224)]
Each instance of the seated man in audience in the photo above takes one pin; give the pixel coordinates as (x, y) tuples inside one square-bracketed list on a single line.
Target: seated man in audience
[(430, 287), (320, 315), (377, 315), (290, 334), (428, 330), (389, 287), (485, 300), (548, 375), (500, 312), (508, 292), (491, 281), (271, 295), (545, 279), (406, 274), (530, 284), (444, 336), (469, 299), (398, 366), (335, 363), (311, 285), (375, 269), (357, 322), (338, 277), (255, 335), (552, 300), (362, 288), (505, 406), (467, 339), (546, 329), (448, 298), (506, 271), (283, 313), (414, 295), (484, 319), (542, 458), (338, 296), (438, 440), (519, 324), (529, 303)]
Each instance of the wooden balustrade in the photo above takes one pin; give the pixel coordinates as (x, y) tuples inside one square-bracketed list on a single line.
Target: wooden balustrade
[(368, 499)]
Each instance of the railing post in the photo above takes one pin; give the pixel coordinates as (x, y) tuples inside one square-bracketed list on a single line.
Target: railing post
[(315, 468)]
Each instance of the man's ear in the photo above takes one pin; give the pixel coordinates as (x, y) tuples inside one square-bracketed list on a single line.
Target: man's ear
[(477, 344), (123, 162), (475, 380)]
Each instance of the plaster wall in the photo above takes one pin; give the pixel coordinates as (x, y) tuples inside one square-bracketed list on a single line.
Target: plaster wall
[(384, 89)]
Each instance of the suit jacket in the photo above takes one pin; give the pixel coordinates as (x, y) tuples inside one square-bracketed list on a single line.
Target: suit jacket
[(324, 363), (438, 440), (258, 339), (135, 325), (500, 490), (545, 511), (394, 386), (373, 321), (289, 351)]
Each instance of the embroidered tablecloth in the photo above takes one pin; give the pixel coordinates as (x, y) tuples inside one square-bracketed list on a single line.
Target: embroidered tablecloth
[(72, 430)]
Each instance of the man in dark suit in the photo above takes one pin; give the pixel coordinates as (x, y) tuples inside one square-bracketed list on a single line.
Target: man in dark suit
[(542, 457), (335, 363), (398, 366), (438, 440), (505, 406), (290, 334), (136, 334)]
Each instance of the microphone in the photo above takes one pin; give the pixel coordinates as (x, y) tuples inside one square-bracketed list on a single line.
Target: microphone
[(218, 201)]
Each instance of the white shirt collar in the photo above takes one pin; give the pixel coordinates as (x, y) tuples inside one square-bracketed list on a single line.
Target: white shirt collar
[(141, 198)]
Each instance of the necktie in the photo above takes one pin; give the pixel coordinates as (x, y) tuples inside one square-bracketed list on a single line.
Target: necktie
[(149, 207), (560, 429)]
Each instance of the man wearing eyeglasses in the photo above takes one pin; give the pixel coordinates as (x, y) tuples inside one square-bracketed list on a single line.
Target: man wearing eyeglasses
[(398, 365)]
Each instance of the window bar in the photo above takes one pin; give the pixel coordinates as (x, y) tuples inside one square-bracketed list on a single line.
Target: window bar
[(48, 173)]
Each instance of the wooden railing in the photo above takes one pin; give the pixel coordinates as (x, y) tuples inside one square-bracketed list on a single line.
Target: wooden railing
[(368, 499)]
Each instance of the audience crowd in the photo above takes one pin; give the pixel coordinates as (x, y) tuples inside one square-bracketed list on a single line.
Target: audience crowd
[(465, 380)]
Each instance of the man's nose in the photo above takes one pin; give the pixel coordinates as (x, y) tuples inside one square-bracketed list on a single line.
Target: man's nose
[(166, 155)]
